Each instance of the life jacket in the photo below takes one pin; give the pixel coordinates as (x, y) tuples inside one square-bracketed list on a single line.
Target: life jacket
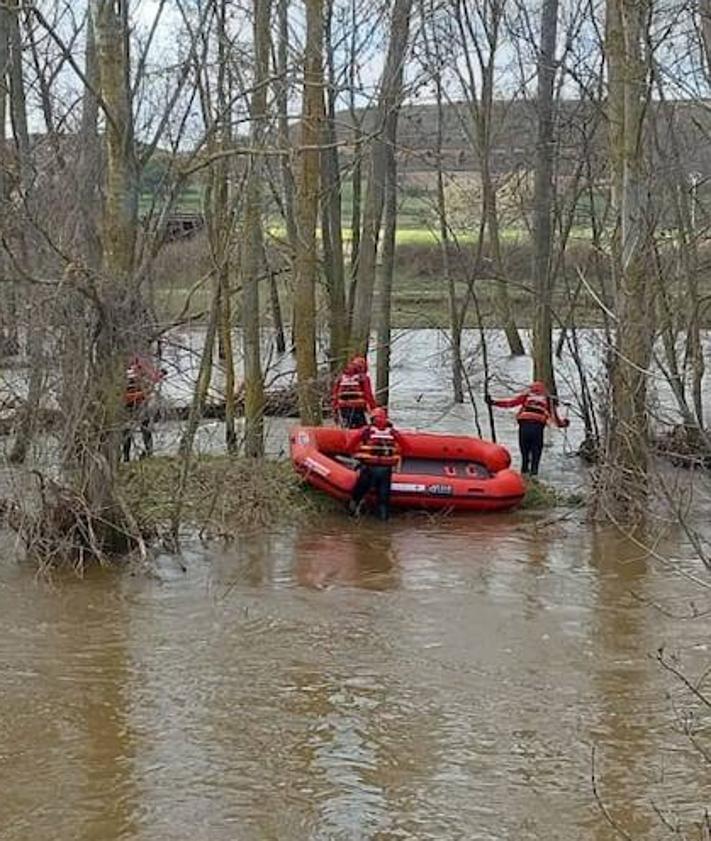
[(350, 393), (536, 407), (133, 394), (379, 447)]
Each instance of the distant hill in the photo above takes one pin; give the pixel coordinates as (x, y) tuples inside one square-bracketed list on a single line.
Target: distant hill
[(582, 130)]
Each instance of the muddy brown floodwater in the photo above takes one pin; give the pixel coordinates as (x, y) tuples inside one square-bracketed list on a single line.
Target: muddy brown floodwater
[(426, 680)]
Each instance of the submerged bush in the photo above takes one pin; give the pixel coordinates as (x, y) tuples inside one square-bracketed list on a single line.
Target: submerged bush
[(539, 495)]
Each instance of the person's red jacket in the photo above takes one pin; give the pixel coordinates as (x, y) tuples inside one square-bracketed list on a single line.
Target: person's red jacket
[(369, 401), (536, 405), (369, 448), (141, 376)]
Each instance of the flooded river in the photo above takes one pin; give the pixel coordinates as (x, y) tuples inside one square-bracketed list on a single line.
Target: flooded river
[(426, 679)]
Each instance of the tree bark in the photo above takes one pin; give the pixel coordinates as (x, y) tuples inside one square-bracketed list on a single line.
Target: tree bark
[(307, 215), (705, 16), (9, 342), (454, 316), (331, 219), (90, 157), (543, 198), (624, 475), (389, 103), (118, 328), (252, 248), (34, 328), (282, 100), (357, 169), (222, 227), (387, 271)]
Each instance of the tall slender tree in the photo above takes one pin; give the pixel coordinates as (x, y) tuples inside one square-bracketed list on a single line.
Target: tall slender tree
[(388, 109), (307, 217), (331, 217), (543, 199), (623, 481), (252, 240)]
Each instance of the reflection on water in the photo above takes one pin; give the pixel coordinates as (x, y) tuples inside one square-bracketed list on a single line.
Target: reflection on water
[(428, 679), (364, 559)]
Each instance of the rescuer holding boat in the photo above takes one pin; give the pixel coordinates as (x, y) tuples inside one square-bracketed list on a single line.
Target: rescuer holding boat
[(537, 408), (377, 447), (352, 395)]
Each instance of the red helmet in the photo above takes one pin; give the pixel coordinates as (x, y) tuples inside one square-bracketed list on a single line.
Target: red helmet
[(380, 416), (359, 364)]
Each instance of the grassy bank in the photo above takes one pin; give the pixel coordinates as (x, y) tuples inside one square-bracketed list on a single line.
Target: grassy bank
[(226, 495), (223, 495)]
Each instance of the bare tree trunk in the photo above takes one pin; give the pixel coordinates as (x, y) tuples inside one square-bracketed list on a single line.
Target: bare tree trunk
[(543, 277), (454, 317), (90, 156), (200, 393), (277, 319), (252, 247), (18, 107), (356, 214), (282, 101), (331, 220), (34, 327), (624, 476), (307, 215), (9, 345), (357, 169), (388, 110), (202, 387), (287, 175), (705, 16), (74, 352), (387, 270), (117, 332), (222, 228)]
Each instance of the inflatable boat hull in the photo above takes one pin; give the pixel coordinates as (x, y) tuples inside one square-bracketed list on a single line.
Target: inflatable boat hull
[(437, 472)]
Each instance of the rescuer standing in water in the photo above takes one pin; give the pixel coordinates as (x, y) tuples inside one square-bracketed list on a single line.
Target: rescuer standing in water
[(352, 395), (537, 408), (378, 448), (142, 377)]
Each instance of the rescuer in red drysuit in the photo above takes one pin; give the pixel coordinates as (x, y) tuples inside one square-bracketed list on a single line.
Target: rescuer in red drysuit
[(377, 447), (352, 395), (537, 408), (141, 379)]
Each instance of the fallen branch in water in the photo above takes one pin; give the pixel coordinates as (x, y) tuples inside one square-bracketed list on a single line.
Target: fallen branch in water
[(601, 805), (58, 528), (280, 402)]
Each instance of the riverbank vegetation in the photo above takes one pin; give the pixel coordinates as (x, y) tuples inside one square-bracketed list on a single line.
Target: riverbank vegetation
[(222, 496), (297, 180), (255, 186)]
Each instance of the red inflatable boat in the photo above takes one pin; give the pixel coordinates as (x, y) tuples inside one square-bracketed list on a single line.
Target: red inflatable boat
[(436, 472)]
